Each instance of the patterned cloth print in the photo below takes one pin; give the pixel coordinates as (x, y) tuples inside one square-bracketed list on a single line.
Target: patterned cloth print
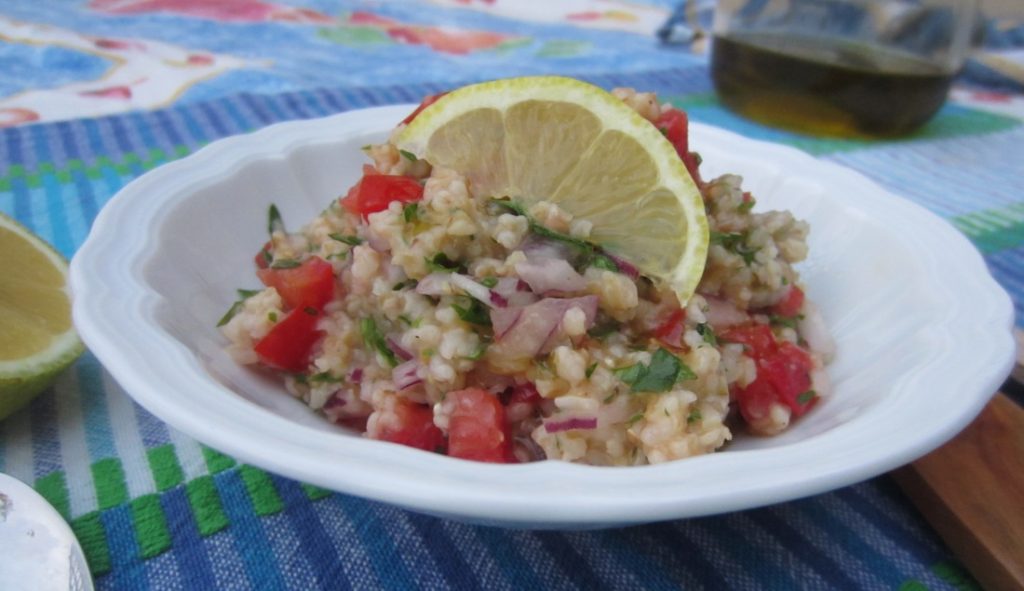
[(156, 509), (98, 57)]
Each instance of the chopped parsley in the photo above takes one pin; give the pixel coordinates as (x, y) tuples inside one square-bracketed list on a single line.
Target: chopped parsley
[(602, 261), (747, 205), (232, 311), (285, 264), (786, 321), (806, 397), (590, 370), (272, 316), (473, 313), (734, 242), (489, 282), (411, 212), (404, 284), (349, 240), (694, 416), (635, 418), (441, 263), (324, 377), (274, 221), (243, 294), (408, 155), (375, 340), (708, 333), (479, 353), (664, 370)]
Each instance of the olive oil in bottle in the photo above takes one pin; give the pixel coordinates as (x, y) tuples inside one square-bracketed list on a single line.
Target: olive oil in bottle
[(826, 86)]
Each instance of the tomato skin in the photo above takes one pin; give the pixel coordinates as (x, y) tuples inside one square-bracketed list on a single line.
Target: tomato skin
[(374, 192), (429, 100), (476, 428), (671, 330), (675, 124), (758, 338), (290, 342), (413, 426), (311, 284), (783, 373), (791, 304)]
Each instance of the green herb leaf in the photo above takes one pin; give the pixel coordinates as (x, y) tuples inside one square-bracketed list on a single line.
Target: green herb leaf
[(806, 397), (786, 321), (734, 242), (248, 293), (232, 311), (411, 212), (590, 370), (324, 377), (408, 155), (285, 264), (746, 206), (694, 416), (660, 375), (604, 262), (267, 257), (708, 333), (489, 282), (635, 418), (510, 207), (441, 263), (375, 340), (479, 353), (404, 284), (473, 313), (349, 240), (274, 221), (272, 316)]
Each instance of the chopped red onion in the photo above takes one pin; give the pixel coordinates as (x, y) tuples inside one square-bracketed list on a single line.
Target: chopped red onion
[(477, 291), (723, 313), (527, 331), (402, 353), (406, 375), (550, 275), (433, 284), (514, 291), (537, 248), (625, 267), (356, 376), (569, 424)]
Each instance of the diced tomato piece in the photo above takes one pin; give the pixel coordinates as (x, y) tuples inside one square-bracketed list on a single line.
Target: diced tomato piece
[(791, 303), (476, 428), (429, 100), (263, 257), (374, 192), (412, 425), (289, 344), (311, 284), (671, 330), (789, 373), (758, 338), (674, 123), (783, 373)]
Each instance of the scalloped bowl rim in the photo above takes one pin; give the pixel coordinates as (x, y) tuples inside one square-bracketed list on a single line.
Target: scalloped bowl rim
[(114, 312)]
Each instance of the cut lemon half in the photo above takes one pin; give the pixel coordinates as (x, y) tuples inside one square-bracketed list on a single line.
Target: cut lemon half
[(37, 340), (571, 143)]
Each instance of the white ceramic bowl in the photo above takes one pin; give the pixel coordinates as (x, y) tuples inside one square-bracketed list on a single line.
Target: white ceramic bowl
[(923, 335)]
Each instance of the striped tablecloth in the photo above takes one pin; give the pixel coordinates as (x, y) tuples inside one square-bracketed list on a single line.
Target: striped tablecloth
[(156, 509)]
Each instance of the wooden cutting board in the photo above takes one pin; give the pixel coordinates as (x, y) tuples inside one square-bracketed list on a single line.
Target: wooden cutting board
[(971, 490)]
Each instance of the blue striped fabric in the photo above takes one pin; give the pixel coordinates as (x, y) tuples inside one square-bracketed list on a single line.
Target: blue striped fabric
[(54, 178)]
